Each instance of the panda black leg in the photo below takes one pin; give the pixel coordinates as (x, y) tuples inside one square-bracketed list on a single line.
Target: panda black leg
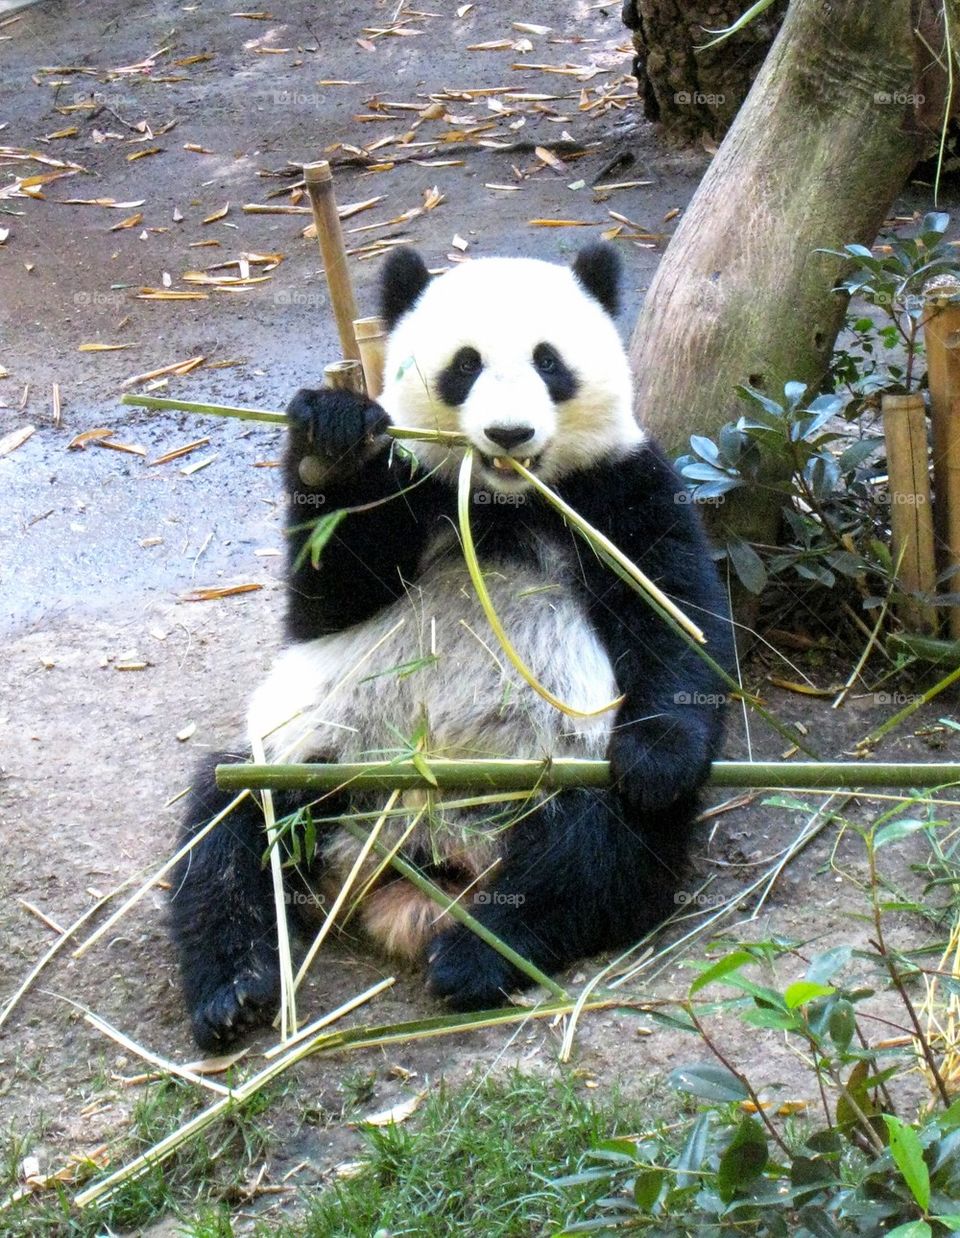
[(579, 876), (222, 916)]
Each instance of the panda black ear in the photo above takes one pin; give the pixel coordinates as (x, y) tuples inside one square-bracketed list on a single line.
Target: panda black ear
[(405, 276), (598, 267)]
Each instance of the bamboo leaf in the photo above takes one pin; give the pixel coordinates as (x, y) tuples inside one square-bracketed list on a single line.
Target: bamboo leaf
[(907, 1152)]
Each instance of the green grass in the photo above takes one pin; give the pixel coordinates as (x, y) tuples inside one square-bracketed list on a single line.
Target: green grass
[(475, 1160)]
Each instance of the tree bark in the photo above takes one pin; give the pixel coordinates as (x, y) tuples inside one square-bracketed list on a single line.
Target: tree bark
[(837, 117), (696, 93)]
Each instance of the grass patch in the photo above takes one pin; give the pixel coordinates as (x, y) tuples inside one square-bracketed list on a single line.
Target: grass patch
[(476, 1160)]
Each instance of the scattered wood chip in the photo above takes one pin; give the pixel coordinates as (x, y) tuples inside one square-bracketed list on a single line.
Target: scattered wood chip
[(197, 150), (221, 214), (187, 731), (167, 294), (104, 347), (131, 221), (671, 214), (562, 223), (176, 367), (131, 449), (528, 28), (551, 160), (219, 591), (143, 154), (110, 203), (16, 438), (177, 452), (395, 1115), (189, 469), (80, 441)]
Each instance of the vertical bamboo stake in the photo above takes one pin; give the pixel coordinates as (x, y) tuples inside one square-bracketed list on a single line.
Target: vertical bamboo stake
[(911, 514), (344, 376), (371, 336), (941, 331), (319, 183)]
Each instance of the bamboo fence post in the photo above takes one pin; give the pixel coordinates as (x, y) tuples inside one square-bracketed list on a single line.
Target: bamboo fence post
[(941, 330), (911, 513), (318, 178), (371, 336), (344, 376)]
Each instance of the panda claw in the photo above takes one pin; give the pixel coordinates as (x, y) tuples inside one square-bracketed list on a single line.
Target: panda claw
[(467, 974), (239, 1004)]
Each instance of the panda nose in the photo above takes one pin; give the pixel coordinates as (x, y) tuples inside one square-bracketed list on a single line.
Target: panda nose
[(509, 436)]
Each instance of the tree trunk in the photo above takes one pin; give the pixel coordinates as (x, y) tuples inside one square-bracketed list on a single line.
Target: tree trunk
[(694, 93), (826, 139)]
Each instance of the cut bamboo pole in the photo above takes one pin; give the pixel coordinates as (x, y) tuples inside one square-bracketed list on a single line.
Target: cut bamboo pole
[(941, 331), (319, 183), (344, 376), (371, 336), (566, 772), (911, 513)]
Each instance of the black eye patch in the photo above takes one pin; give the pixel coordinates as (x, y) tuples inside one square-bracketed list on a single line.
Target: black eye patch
[(560, 380), (456, 379)]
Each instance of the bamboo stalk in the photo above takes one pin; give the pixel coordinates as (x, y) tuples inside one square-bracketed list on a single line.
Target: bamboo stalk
[(162, 404), (319, 183), (344, 376), (456, 910), (941, 331), (371, 336), (911, 514), (598, 539), (566, 772), (927, 648)]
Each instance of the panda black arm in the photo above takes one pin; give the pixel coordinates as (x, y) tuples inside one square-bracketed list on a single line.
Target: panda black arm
[(337, 457), (669, 727)]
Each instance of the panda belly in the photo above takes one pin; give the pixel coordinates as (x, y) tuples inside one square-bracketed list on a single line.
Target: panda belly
[(429, 666)]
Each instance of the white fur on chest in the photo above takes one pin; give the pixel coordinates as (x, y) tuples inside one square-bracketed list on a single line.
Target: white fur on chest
[(431, 659)]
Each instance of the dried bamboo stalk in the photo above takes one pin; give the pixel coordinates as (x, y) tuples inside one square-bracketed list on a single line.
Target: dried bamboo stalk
[(941, 331), (319, 183), (371, 336), (344, 376), (911, 512)]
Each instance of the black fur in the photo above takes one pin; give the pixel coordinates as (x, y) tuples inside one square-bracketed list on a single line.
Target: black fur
[(560, 380), (455, 380), (598, 268), (405, 276), (587, 871)]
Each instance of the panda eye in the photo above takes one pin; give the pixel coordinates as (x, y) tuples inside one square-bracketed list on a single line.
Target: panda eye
[(468, 361), (545, 359)]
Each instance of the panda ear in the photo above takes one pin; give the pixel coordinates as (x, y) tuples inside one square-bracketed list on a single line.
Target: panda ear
[(405, 276), (598, 267)]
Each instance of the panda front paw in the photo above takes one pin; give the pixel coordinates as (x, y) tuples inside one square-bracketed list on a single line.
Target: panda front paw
[(467, 974), (245, 1001), (655, 777), (339, 428)]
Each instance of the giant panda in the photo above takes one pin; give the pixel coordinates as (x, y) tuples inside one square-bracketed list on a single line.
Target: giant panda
[(388, 648)]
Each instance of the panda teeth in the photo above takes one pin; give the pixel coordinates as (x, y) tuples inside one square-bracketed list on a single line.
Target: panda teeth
[(498, 462), (526, 463)]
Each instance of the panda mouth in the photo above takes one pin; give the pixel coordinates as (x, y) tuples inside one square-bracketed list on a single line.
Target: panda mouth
[(502, 465)]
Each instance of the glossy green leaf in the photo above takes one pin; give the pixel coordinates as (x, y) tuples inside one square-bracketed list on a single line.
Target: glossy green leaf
[(708, 1081), (907, 1152)]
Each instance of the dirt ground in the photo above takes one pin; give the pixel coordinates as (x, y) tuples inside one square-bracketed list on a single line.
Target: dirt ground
[(112, 683)]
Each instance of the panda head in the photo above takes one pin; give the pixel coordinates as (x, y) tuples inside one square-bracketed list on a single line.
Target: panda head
[(521, 355)]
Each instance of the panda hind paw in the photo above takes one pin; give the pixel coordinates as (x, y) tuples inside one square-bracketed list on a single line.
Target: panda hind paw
[(243, 1002), (467, 974)]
